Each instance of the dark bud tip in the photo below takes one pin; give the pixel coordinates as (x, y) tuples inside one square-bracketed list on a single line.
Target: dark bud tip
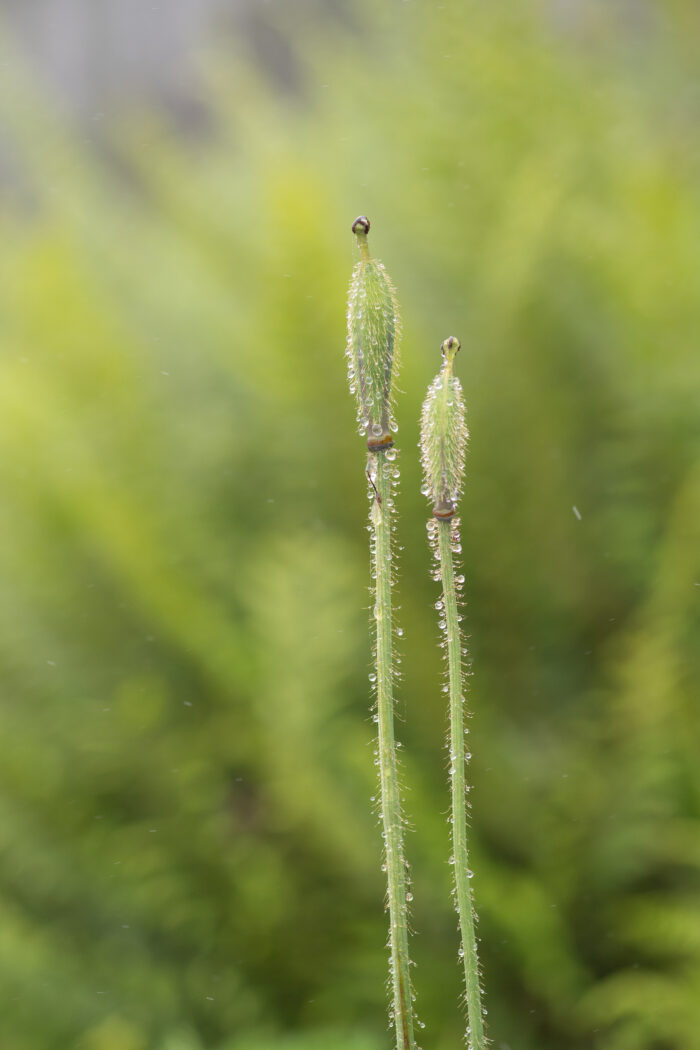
[(451, 345), (361, 225)]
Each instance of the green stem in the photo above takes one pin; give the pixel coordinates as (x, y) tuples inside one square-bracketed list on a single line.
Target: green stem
[(465, 908), (380, 472)]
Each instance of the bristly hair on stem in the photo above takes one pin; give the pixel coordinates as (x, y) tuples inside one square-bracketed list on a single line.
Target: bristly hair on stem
[(373, 328), (443, 445)]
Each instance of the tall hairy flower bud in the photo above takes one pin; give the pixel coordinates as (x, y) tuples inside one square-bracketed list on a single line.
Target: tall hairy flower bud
[(373, 331)]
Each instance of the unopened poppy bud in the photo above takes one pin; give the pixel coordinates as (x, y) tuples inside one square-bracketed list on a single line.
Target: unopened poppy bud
[(444, 436), (373, 330)]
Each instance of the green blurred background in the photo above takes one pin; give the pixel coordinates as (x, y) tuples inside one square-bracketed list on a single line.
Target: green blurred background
[(189, 859)]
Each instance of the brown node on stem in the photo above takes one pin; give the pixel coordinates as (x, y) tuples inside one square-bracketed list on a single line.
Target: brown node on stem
[(381, 442), (444, 510)]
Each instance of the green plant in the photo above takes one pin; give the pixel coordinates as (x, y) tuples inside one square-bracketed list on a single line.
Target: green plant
[(156, 528), (443, 443), (373, 327)]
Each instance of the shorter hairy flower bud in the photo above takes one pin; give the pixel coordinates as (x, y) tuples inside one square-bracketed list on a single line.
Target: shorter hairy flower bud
[(444, 436)]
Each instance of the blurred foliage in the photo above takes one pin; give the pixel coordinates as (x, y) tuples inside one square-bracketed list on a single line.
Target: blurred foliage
[(188, 857)]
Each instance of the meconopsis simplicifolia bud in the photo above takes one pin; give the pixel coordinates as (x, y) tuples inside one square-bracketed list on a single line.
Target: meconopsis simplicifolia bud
[(373, 331), (443, 437)]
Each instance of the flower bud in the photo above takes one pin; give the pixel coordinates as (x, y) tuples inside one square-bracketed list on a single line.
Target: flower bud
[(444, 436), (373, 330)]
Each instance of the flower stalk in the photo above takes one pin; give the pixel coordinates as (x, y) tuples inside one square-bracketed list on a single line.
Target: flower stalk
[(443, 444), (373, 328)]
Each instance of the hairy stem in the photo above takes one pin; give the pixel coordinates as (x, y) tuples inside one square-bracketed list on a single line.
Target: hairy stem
[(380, 473), (465, 907)]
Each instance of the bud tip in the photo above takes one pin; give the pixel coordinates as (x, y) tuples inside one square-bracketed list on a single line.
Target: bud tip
[(450, 346), (361, 225)]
